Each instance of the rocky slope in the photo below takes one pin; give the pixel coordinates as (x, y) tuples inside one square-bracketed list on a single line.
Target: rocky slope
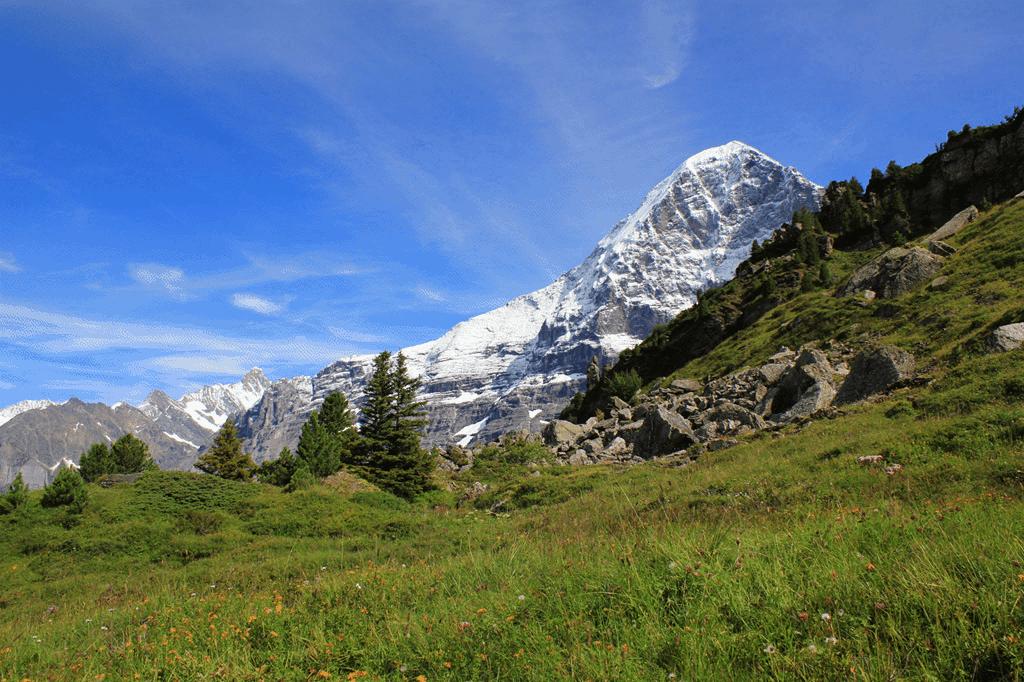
[(515, 366)]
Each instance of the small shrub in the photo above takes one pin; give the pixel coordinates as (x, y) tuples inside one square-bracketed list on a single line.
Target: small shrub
[(199, 522), (624, 385), (67, 490)]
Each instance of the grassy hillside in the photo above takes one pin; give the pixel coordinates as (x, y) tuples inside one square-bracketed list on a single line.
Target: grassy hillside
[(780, 558)]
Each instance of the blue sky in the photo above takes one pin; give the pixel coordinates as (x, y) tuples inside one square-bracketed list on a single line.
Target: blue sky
[(191, 189)]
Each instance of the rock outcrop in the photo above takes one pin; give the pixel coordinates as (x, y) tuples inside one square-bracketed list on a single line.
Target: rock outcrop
[(955, 224), (875, 371), (896, 272)]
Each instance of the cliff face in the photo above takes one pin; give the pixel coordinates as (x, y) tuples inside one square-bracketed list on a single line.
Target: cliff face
[(972, 167)]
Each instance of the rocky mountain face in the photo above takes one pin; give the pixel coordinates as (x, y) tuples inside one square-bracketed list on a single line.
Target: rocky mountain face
[(39, 435), (37, 442), (515, 367), (275, 421)]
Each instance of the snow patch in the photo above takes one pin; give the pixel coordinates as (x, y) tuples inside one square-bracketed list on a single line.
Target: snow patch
[(469, 432), (174, 436)]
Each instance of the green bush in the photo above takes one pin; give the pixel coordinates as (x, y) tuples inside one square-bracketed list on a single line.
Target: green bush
[(67, 490), (15, 497), (624, 385)]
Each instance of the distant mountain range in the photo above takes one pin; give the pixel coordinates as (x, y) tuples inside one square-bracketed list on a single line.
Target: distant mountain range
[(511, 368)]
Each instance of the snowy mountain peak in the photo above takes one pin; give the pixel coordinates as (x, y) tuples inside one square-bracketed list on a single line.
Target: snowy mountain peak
[(11, 411), (514, 366)]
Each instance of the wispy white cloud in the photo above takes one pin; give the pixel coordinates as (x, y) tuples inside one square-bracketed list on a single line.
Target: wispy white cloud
[(668, 28), (430, 294), (222, 365), (62, 334), (8, 263), (6, 385), (164, 278), (256, 304)]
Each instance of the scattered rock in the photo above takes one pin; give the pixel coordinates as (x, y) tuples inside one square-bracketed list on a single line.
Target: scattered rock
[(893, 469), (941, 249), (896, 272), (868, 460), (560, 432), (955, 224), (805, 389), (1006, 338), (663, 432), (875, 371), (619, 404), (938, 282), (579, 458), (686, 386), (473, 492)]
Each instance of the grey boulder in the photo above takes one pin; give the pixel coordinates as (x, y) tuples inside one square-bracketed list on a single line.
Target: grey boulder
[(955, 224), (1006, 338), (874, 371), (896, 272)]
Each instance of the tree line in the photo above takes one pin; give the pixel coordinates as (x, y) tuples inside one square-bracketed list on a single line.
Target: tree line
[(384, 448)]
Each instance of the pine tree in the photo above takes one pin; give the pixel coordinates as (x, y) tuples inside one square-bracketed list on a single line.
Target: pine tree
[(278, 471), (393, 419), (825, 275), (301, 479), (376, 418), (225, 458), (96, 462), (337, 418), (130, 455), (15, 497), (67, 490), (318, 448)]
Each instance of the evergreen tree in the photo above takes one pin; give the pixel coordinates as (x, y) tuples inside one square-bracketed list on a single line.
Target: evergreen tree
[(67, 490), (301, 479), (807, 283), (278, 471), (225, 458), (319, 449), (130, 455), (337, 418), (895, 218), (767, 285), (376, 419), (15, 497), (393, 419), (96, 462), (825, 275)]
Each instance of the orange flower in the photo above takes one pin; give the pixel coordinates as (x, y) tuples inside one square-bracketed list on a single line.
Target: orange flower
[(481, 612), (448, 665), (803, 615), (324, 674), (421, 678), (870, 566), (356, 674)]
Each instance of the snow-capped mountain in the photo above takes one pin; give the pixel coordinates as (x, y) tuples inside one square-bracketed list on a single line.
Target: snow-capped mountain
[(210, 406), (517, 365), (11, 411), (39, 435)]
